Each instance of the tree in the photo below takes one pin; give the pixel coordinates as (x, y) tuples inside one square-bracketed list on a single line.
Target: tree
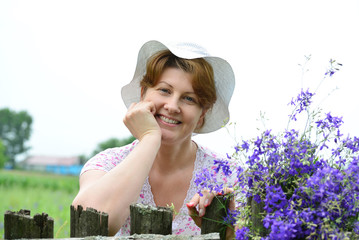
[(3, 157), (15, 131), (111, 143), (83, 159)]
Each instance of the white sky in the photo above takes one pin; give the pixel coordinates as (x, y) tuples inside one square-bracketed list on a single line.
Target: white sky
[(65, 61)]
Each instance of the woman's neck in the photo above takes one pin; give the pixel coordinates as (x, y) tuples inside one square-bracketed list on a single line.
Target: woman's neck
[(172, 157)]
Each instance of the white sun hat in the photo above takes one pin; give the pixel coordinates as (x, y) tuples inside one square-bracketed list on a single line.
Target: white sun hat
[(224, 79)]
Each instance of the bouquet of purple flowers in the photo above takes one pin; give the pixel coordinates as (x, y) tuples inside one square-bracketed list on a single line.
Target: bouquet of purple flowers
[(295, 184)]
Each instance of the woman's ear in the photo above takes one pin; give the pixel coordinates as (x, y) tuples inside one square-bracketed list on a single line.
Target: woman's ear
[(143, 92), (200, 122)]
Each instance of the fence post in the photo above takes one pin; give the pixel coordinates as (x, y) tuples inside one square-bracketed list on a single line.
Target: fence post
[(150, 220), (21, 225), (213, 219), (257, 214), (89, 222)]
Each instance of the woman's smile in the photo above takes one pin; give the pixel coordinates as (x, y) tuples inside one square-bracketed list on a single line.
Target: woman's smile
[(168, 120)]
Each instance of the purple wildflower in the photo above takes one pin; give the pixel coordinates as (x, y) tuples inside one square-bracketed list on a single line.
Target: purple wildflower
[(330, 122), (301, 103), (204, 180), (282, 230), (231, 217), (245, 146), (275, 199), (352, 144), (333, 67), (257, 198), (224, 165), (356, 227), (242, 233)]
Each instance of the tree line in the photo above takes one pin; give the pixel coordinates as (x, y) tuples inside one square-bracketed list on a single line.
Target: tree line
[(110, 143), (16, 130)]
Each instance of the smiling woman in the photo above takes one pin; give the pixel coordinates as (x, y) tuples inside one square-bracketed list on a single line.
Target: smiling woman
[(177, 90)]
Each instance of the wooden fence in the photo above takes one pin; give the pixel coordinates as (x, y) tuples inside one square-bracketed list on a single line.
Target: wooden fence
[(146, 223)]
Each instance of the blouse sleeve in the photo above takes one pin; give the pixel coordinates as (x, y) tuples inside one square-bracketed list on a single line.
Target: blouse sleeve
[(108, 159)]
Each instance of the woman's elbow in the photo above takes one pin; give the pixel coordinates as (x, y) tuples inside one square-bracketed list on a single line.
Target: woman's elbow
[(79, 201)]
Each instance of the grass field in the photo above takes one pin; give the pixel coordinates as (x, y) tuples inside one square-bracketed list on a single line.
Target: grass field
[(38, 192)]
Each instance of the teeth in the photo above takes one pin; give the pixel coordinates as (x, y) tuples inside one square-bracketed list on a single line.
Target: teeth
[(167, 120)]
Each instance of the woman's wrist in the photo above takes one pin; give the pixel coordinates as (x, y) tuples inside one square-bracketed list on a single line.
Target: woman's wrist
[(153, 138)]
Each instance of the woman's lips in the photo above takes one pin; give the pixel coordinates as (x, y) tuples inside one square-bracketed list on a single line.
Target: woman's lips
[(168, 120)]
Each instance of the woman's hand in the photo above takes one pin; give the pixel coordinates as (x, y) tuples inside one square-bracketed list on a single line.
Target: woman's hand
[(197, 208), (140, 120)]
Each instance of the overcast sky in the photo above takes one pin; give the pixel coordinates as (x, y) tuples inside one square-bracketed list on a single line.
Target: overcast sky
[(65, 61)]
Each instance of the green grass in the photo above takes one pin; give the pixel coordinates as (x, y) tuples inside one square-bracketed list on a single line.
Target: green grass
[(38, 193)]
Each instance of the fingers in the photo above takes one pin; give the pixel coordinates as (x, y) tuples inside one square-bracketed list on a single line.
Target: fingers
[(205, 201), (197, 206), (227, 190), (142, 106), (140, 119), (192, 210), (230, 233), (194, 201), (147, 104)]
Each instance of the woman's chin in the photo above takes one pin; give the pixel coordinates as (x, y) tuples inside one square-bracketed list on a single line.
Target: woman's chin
[(170, 137)]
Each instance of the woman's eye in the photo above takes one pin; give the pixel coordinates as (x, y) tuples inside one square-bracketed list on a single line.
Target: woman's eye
[(164, 90), (190, 99)]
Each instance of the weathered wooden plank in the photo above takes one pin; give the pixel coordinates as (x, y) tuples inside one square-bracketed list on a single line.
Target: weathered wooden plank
[(89, 222), (150, 220), (21, 225), (212, 221), (257, 214)]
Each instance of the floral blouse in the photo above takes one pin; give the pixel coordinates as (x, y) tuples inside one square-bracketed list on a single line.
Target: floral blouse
[(182, 223)]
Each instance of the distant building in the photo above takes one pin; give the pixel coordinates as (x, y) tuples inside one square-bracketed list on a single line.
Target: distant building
[(53, 164)]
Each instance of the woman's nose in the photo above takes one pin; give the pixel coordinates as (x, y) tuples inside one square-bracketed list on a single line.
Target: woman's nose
[(172, 105)]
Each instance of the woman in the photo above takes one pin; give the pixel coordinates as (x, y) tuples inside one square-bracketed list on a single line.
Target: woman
[(176, 91)]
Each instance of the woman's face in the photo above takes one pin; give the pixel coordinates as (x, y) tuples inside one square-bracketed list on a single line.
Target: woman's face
[(178, 112)]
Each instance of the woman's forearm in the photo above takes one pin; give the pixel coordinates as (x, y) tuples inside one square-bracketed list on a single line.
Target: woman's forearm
[(114, 191)]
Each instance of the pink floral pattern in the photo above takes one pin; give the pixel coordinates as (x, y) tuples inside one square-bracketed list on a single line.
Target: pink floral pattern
[(182, 223)]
